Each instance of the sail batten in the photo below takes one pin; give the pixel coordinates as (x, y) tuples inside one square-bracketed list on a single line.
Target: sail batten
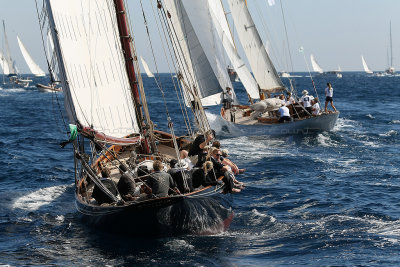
[(87, 42), (34, 68), (260, 63)]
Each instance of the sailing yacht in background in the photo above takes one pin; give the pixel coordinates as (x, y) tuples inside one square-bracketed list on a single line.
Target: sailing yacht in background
[(34, 68), (365, 66), (146, 68), (316, 67), (390, 70)]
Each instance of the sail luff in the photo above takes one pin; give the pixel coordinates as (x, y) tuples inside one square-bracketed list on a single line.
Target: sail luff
[(261, 64), (146, 68), (315, 65), (222, 28), (9, 60), (365, 66), (91, 66), (34, 68)]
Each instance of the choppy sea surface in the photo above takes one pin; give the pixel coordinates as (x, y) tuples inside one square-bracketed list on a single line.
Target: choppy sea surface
[(330, 198)]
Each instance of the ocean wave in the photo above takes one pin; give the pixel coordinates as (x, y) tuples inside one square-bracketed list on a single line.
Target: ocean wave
[(44, 196), (395, 122), (389, 133), (325, 141), (370, 116), (178, 245), (343, 123)]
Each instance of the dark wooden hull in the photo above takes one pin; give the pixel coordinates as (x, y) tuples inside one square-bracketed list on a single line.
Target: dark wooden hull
[(205, 212)]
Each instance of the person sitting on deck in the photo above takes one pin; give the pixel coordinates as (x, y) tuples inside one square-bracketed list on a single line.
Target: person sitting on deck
[(184, 155), (181, 175), (220, 169), (316, 109), (160, 182), (201, 177), (305, 100), (226, 161), (282, 98), (198, 145), (126, 184), (100, 196), (284, 113)]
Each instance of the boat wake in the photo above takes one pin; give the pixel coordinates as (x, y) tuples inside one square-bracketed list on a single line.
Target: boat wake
[(44, 196), (222, 127)]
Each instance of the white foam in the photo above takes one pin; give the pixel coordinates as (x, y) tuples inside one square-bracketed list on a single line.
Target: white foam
[(44, 196), (370, 116), (395, 121), (326, 141), (178, 244), (343, 123), (389, 133)]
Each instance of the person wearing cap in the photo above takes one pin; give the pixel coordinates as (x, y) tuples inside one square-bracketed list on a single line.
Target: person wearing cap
[(316, 109), (305, 100), (284, 113), (329, 97)]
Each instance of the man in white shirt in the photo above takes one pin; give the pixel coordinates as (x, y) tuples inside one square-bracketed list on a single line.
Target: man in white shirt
[(284, 113), (290, 99), (305, 100), (316, 109), (329, 97)]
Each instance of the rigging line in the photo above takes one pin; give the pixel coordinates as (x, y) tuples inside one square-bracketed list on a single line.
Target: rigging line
[(184, 111), (309, 73), (287, 37), (200, 117), (162, 18)]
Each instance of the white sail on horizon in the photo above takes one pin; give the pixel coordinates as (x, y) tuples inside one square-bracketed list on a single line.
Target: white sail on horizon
[(316, 67), (146, 68), (365, 66), (34, 68), (7, 54), (92, 66), (260, 63)]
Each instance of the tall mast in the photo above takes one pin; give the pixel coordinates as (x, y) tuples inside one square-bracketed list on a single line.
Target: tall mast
[(391, 51), (126, 46)]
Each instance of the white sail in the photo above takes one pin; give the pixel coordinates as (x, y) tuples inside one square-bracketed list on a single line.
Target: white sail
[(146, 68), (315, 65), (3, 64), (260, 63), (92, 65), (8, 59), (365, 66), (222, 28), (35, 69), (202, 67)]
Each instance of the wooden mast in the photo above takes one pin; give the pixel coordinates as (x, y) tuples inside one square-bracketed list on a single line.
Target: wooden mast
[(126, 46)]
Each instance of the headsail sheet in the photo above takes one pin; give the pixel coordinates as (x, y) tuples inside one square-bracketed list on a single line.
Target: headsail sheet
[(92, 67), (260, 63), (35, 69)]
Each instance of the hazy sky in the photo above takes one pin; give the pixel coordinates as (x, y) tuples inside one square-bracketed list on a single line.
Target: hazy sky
[(337, 32)]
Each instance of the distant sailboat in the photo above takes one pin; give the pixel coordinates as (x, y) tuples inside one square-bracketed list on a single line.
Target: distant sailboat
[(390, 69), (146, 68), (34, 68), (316, 67), (365, 66)]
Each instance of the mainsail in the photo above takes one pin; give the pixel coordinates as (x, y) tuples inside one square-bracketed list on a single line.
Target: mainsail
[(91, 64), (196, 37), (260, 63), (3, 64), (146, 68), (315, 65), (365, 66), (7, 56), (35, 69), (222, 28)]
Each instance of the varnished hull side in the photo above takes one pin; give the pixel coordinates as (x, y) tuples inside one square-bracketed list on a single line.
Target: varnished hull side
[(206, 212)]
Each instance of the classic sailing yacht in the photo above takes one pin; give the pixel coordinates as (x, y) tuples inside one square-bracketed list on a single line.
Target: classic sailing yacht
[(110, 124), (365, 66), (195, 23), (146, 68), (34, 68)]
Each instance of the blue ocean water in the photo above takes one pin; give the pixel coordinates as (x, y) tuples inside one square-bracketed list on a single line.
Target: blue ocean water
[(331, 198)]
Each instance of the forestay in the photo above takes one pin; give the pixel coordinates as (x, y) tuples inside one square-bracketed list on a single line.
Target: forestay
[(92, 69), (222, 28), (260, 63), (35, 69)]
